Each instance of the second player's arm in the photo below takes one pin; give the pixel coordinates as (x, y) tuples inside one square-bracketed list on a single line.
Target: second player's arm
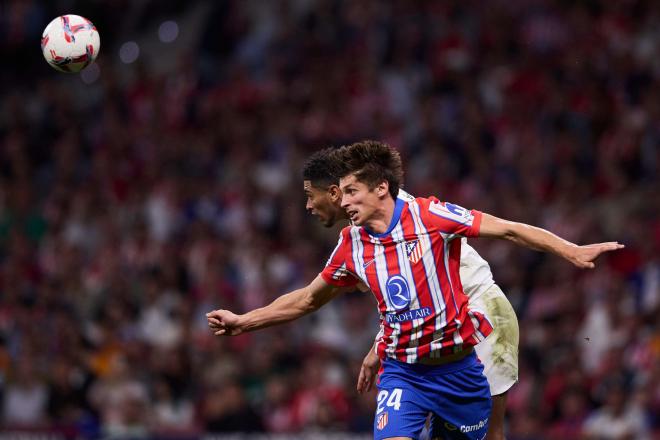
[(543, 240), (286, 308), (368, 369)]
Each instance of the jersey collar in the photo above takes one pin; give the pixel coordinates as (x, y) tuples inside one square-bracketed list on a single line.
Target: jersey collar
[(398, 207)]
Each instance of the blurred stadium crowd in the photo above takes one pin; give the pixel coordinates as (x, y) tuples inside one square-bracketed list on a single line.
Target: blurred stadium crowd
[(132, 205)]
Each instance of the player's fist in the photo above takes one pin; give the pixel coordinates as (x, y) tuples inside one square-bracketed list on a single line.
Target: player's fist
[(224, 322), (584, 256)]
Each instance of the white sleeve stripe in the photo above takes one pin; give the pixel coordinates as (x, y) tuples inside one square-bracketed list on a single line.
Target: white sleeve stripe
[(334, 252), (428, 260)]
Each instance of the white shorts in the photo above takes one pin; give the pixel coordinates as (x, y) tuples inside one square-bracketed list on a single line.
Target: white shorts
[(499, 351)]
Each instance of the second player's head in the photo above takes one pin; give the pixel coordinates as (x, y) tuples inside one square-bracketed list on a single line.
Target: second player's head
[(321, 186), (369, 173)]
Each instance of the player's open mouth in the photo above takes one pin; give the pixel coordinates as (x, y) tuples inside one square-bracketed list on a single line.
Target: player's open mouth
[(352, 215)]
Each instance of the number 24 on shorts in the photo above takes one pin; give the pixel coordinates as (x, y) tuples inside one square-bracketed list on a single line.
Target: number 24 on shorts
[(394, 400)]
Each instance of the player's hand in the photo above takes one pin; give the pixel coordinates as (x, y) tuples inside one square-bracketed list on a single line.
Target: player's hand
[(368, 372), (584, 256), (224, 322)]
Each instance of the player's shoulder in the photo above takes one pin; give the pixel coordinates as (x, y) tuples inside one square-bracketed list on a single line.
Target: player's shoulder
[(426, 202), (347, 232), (434, 208), (407, 197), (343, 241), (417, 205)]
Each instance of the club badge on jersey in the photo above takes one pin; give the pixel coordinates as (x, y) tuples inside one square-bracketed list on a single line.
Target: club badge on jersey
[(382, 421), (414, 250)]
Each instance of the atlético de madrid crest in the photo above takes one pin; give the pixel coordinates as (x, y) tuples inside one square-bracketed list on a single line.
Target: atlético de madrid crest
[(382, 421), (414, 250)]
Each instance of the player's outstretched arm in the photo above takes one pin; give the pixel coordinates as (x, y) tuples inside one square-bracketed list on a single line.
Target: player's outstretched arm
[(286, 308), (542, 240)]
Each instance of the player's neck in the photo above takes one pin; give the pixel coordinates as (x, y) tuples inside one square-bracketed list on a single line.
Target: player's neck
[(382, 217)]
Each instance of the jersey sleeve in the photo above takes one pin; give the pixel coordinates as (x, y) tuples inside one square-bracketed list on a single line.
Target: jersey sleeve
[(335, 271), (454, 219)]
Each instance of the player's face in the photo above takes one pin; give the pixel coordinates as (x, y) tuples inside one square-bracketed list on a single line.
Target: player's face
[(324, 203), (358, 200)]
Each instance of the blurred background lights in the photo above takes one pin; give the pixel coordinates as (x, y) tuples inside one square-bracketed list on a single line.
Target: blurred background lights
[(91, 73), (168, 31), (129, 52)]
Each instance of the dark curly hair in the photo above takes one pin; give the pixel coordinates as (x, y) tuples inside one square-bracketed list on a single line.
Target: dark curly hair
[(372, 162), (320, 169)]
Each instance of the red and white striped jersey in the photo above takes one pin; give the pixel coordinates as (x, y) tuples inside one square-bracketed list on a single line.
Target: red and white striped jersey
[(476, 276), (413, 271)]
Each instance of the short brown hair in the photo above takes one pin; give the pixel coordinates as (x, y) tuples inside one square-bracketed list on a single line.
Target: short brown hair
[(371, 162)]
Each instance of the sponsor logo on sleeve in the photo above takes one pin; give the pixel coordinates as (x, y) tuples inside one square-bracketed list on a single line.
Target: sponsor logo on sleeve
[(452, 212)]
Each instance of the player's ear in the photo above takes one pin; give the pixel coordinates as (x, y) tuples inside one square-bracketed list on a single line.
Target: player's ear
[(383, 188), (335, 193)]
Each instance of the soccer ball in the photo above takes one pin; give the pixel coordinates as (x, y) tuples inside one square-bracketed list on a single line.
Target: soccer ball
[(70, 43)]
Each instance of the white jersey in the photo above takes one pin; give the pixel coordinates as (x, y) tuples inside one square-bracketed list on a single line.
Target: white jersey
[(475, 271)]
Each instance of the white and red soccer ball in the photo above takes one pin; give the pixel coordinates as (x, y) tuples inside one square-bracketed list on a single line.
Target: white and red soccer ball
[(70, 43)]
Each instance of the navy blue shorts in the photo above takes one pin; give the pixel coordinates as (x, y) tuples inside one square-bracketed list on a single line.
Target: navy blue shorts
[(457, 394)]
